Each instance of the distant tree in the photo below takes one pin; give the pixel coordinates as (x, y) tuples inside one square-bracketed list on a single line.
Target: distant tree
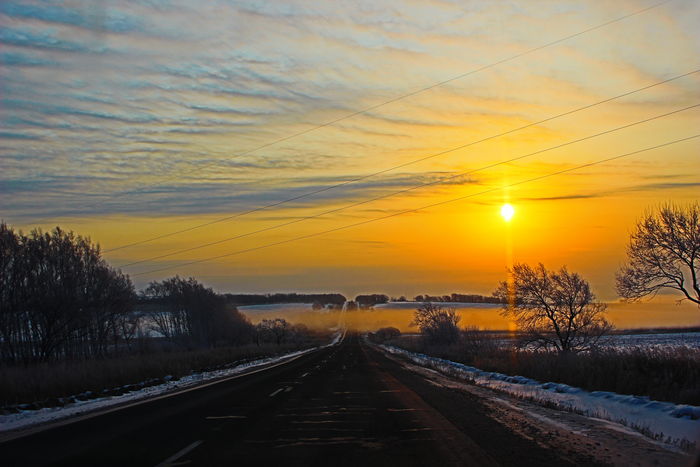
[(387, 333), (437, 324), (384, 334), (663, 253), (418, 298), (366, 301), (276, 330), (317, 305), (193, 315), (350, 305), (553, 310), (402, 298)]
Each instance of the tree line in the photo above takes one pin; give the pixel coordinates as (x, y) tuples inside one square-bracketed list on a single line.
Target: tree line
[(59, 298), (456, 298), (270, 299)]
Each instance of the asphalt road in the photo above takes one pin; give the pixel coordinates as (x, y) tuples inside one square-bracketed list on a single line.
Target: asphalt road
[(346, 405)]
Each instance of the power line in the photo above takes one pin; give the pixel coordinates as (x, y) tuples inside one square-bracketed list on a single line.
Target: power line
[(435, 182), (303, 237), (405, 164), (390, 101)]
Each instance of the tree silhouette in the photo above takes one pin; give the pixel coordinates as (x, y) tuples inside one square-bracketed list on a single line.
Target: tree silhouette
[(438, 324), (554, 310), (663, 253)]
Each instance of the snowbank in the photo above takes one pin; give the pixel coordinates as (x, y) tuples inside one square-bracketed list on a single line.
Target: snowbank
[(26, 418), (674, 424)]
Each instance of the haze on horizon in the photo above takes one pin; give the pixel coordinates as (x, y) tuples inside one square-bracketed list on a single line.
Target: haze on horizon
[(127, 121)]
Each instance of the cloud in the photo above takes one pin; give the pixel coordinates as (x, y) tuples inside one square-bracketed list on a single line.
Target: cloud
[(44, 40), (89, 16), (113, 96), (21, 59), (650, 187), (208, 196), (10, 135)]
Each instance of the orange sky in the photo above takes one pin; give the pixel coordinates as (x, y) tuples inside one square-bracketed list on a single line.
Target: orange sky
[(126, 122)]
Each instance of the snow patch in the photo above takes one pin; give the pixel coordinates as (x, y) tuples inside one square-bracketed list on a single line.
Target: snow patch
[(674, 424), (26, 418)]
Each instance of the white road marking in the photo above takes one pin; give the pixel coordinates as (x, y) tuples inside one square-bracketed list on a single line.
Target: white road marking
[(305, 375), (288, 388), (33, 429), (276, 392), (179, 454)]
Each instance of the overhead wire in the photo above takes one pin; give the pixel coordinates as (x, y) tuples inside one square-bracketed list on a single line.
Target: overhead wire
[(405, 190), (428, 206), (402, 165), (364, 111)]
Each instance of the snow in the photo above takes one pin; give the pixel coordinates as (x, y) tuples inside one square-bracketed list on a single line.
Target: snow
[(26, 418), (414, 305), (272, 307), (673, 424)]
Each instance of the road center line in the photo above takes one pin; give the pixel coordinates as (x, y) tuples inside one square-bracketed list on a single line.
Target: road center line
[(179, 454), (276, 392)]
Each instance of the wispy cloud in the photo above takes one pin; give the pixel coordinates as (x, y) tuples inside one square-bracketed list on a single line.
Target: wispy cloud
[(162, 98), (648, 187)]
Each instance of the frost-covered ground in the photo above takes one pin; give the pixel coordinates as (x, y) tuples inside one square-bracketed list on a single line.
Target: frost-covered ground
[(413, 305), (678, 425), (276, 307), (26, 418)]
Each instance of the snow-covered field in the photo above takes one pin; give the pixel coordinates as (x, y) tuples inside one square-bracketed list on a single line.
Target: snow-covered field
[(26, 418), (673, 424), (276, 307), (672, 339), (413, 305)]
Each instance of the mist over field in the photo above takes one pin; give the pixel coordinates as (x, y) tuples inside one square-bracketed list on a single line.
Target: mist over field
[(657, 314)]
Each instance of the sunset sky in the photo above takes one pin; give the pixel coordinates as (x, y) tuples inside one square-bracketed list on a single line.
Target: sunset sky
[(125, 121)]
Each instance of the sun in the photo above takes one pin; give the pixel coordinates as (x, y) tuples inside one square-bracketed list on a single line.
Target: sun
[(507, 212)]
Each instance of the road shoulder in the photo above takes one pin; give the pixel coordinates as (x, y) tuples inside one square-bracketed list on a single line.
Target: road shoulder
[(568, 433)]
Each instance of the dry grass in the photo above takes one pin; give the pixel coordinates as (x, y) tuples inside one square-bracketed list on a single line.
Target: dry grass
[(46, 384), (664, 374)]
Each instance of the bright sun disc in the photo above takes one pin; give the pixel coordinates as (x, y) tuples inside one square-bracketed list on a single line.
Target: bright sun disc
[(507, 212)]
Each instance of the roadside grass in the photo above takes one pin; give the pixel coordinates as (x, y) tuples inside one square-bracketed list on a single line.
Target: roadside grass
[(669, 374), (58, 383)]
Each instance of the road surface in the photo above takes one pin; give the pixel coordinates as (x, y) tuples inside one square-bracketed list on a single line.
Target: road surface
[(345, 405)]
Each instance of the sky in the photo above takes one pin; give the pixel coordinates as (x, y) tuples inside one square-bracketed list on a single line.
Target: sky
[(125, 121)]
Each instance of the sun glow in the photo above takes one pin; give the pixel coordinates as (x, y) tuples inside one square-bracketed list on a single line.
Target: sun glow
[(507, 212)]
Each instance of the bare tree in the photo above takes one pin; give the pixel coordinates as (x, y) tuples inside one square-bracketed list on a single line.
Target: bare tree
[(276, 330), (193, 315), (554, 310), (438, 324), (58, 298), (664, 252)]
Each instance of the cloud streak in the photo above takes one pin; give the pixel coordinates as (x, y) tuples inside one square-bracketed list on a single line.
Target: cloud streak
[(110, 97)]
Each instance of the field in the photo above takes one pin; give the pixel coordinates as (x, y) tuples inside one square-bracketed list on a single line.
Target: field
[(658, 314)]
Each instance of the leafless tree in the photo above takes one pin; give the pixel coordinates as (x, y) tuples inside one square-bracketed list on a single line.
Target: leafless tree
[(663, 253), (438, 324), (276, 330), (58, 298), (192, 315), (553, 310)]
